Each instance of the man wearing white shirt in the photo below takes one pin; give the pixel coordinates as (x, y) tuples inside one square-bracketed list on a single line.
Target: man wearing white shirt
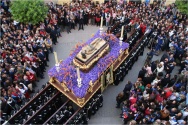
[(107, 17), (171, 33), (122, 18), (40, 40)]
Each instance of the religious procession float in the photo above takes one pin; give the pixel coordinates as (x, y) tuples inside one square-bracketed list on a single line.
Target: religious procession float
[(89, 67)]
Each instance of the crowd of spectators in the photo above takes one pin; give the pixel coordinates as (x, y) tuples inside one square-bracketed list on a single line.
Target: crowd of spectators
[(25, 49), (24, 54), (159, 96)]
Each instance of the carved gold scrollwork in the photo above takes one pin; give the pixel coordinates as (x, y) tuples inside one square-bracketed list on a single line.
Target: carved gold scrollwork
[(111, 72), (120, 56), (81, 101), (52, 80), (85, 66), (65, 87), (90, 89), (102, 82), (127, 51)]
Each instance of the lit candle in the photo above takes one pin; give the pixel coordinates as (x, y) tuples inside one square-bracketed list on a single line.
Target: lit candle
[(101, 21), (78, 73), (55, 55), (122, 29)]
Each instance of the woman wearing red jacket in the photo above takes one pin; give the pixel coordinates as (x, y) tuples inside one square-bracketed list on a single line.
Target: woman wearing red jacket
[(167, 92), (143, 27)]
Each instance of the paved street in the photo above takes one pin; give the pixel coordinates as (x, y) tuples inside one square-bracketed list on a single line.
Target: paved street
[(108, 114)]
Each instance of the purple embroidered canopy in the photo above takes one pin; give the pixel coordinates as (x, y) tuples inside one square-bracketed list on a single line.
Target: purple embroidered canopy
[(67, 72)]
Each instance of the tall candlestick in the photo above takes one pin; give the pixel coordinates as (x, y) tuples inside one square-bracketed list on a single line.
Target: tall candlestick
[(120, 41), (101, 21), (57, 67), (78, 73), (101, 30), (55, 55), (79, 82), (122, 29)]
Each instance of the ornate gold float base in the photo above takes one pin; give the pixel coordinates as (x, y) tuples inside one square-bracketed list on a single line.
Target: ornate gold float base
[(79, 101)]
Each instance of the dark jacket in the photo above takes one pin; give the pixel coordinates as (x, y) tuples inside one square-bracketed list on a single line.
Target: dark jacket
[(147, 80), (67, 21), (142, 73), (48, 29), (53, 34), (127, 87), (41, 56)]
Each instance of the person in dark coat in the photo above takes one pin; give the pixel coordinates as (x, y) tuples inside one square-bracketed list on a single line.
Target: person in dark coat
[(85, 16), (122, 96), (127, 20), (67, 24), (154, 65), (53, 35), (57, 29), (42, 58), (128, 87), (183, 65), (81, 21), (148, 79), (142, 73), (119, 99), (164, 56), (179, 52), (46, 21), (62, 21), (165, 80), (48, 29), (169, 67)]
